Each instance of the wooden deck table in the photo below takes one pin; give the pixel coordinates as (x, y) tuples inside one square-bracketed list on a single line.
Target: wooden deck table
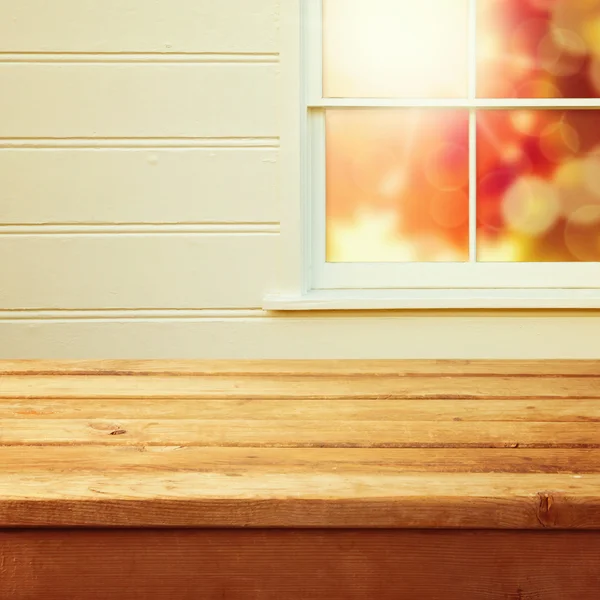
[(300, 480)]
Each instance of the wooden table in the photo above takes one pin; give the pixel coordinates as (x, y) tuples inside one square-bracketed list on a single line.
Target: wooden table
[(289, 480)]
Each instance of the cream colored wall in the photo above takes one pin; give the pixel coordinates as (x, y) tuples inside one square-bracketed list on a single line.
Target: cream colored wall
[(139, 197)]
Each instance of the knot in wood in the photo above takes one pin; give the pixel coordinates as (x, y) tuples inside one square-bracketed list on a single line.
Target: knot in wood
[(546, 510)]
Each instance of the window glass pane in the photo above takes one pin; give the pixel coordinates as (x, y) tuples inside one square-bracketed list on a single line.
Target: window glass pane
[(387, 48), (397, 185), (538, 185), (538, 48)]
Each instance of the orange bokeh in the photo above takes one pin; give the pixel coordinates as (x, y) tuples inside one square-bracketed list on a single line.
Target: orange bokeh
[(538, 192), (398, 180), (538, 48), (397, 185)]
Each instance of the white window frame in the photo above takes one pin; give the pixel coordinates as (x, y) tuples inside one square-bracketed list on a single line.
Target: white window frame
[(307, 282)]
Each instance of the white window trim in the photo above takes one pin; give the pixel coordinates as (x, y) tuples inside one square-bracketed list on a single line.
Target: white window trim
[(306, 282)]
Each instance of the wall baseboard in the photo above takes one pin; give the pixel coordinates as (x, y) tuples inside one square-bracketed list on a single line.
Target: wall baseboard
[(254, 334)]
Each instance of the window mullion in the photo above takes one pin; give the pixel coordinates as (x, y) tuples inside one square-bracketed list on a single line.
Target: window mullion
[(472, 186), (472, 57)]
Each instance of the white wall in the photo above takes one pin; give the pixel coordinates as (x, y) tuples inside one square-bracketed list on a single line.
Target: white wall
[(139, 199)]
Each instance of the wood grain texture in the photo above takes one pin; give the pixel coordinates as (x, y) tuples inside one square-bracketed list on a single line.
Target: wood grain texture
[(345, 368), (299, 565), (297, 386), (584, 410), (233, 498), (334, 445), (86, 460), (303, 433)]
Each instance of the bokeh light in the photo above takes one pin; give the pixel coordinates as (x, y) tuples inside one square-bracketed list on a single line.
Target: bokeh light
[(385, 48), (397, 185), (398, 180), (541, 203), (538, 48)]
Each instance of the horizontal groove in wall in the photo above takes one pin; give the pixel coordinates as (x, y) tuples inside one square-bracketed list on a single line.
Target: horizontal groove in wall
[(138, 57), (93, 143), (128, 314), (243, 314), (140, 229)]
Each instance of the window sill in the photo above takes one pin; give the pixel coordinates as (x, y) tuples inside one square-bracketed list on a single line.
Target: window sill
[(435, 299)]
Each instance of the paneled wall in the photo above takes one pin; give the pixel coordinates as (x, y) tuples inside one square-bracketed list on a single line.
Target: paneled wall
[(139, 197)]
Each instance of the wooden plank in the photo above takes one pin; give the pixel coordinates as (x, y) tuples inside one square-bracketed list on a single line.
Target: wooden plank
[(223, 386), (137, 185), (120, 100), (138, 26), (299, 565), (112, 271), (583, 410), (347, 368), (159, 459), (300, 434), (146, 479), (328, 500)]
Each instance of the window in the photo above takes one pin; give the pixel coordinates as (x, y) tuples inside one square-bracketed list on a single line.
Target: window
[(441, 153)]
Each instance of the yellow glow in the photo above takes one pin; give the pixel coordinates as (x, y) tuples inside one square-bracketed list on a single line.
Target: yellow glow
[(559, 141), (524, 121), (512, 153), (370, 238), (562, 52), (488, 48), (538, 88), (581, 18), (591, 33), (531, 206), (397, 185), (592, 175), (568, 40), (570, 174), (581, 234), (390, 48), (586, 215), (570, 183), (508, 248), (594, 71)]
